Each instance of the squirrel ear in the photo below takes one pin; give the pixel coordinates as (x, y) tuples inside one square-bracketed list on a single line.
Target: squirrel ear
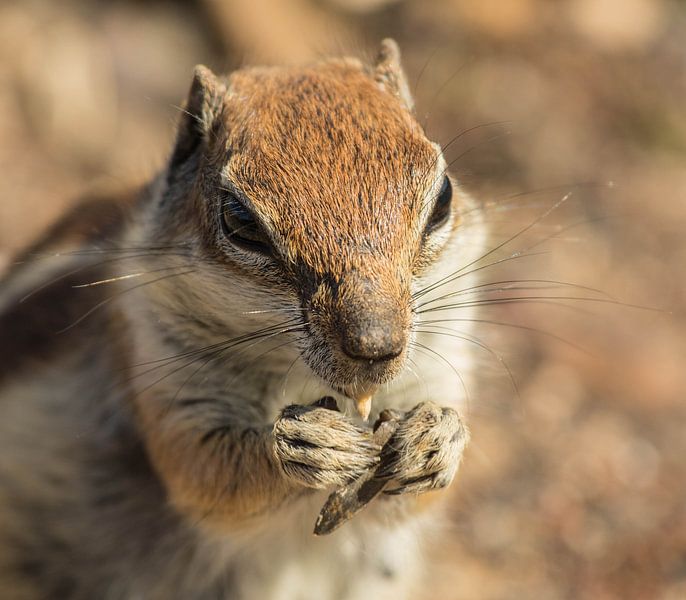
[(389, 74), (198, 113)]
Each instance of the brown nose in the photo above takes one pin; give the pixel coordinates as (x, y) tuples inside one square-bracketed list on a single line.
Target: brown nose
[(372, 342), (371, 329)]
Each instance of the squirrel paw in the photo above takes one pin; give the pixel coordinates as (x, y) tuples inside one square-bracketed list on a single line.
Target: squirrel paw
[(319, 448), (425, 451)]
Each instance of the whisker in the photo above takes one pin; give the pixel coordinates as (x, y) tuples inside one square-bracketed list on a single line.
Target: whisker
[(474, 340), (120, 293), (535, 299), (218, 354), (497, 247), (286, 376), (427, 172), (475, 147), (470, 129), (68, 274), (497, 203), (519, 254), (579, 185), (272, 310), (413, 368), (124, 277), (433, 53), (425, 349), (485, 288), (512, 325), (112, 279), (556, 234), (277, 347), (459, 274), (226, 346), (99, 251), (239, 338)]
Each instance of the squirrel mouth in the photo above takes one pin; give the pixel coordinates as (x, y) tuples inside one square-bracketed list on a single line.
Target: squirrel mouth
[(362, 395)]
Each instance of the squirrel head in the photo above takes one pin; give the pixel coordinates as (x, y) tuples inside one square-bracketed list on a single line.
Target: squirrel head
[(314, 189)]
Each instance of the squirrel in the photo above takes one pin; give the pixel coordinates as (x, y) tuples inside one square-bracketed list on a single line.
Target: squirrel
[(161, 354)]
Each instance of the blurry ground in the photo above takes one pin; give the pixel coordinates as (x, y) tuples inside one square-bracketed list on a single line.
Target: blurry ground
[(575, 487)]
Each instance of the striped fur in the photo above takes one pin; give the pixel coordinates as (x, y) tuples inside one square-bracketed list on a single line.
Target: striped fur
[(144, 358)]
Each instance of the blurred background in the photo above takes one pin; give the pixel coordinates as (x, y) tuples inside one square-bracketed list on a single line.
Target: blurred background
[(575, 482)]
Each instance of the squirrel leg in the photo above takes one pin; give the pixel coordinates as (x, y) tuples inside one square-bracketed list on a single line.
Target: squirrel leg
[(215, 466)]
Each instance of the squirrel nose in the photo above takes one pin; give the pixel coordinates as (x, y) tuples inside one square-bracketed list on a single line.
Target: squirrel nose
[(374, 345), (373, 336)]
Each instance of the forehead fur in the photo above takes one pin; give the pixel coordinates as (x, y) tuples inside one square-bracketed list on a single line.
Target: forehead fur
[(335, 164)]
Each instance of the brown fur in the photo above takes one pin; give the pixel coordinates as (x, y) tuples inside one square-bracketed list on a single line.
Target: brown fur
[(155, 478)]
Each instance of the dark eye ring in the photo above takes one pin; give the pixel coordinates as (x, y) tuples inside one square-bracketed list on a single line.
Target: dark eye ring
[(441, 211), (241, 227)]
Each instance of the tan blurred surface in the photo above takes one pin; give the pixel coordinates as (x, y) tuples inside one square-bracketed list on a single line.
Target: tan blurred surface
[(574, 487)]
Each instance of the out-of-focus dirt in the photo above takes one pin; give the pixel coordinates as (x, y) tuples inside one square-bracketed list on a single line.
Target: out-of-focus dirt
[(575, 485)]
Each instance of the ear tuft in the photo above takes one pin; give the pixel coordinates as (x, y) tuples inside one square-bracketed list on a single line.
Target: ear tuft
[(199, 113), (388, 72)]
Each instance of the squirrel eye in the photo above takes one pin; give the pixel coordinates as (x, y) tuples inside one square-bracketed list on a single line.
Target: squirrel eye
[(240, 226), (441, 211)]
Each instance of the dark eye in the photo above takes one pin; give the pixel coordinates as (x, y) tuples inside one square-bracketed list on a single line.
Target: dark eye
[(441, 211), (241, 228)]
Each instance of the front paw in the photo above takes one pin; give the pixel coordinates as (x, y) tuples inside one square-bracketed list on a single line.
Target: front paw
[(319, 448), (425, 451)]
